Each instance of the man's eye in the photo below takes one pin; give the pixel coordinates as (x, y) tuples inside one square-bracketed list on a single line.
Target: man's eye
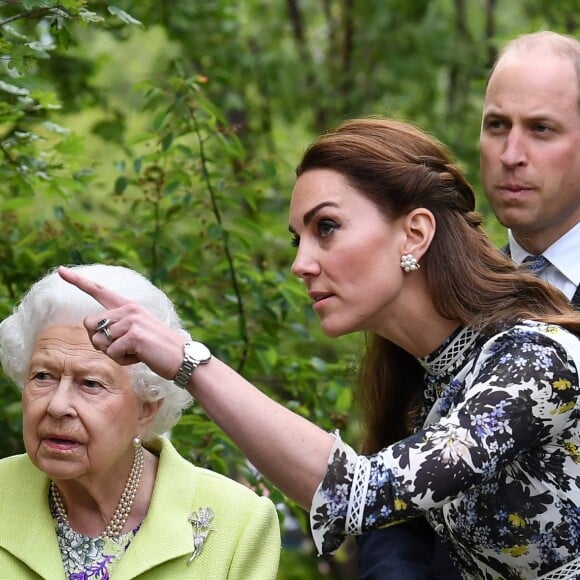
[(542, 129), (41, 376), (495, 124)]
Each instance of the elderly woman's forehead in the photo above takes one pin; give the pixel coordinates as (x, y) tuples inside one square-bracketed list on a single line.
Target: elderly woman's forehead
[(63, 332), (71, 339), (72, 345)]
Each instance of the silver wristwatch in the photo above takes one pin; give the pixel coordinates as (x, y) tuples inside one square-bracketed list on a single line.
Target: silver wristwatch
[(194, 354)]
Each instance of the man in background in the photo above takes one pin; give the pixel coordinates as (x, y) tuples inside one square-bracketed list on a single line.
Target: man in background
[(530, 170), (530, 153)]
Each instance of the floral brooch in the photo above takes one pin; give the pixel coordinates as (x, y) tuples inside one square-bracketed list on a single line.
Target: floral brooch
[(201, 523)]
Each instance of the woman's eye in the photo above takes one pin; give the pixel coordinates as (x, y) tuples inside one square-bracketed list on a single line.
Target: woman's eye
[(90, 384), (326, 227), (42, 380), (295, 241)]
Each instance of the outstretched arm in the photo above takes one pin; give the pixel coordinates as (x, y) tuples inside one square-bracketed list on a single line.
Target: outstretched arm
[(289, 450)]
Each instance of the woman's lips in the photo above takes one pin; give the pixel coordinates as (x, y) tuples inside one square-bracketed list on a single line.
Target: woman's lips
[(60, 444), (321, 301)]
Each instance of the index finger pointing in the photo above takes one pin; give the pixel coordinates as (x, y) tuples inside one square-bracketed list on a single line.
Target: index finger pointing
[(100, 293)]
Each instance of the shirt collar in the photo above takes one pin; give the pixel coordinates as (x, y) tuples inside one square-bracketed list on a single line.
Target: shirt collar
[(563, 253)]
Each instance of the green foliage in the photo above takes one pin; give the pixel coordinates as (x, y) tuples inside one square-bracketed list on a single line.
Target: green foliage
[(187, 208), (163, 136)]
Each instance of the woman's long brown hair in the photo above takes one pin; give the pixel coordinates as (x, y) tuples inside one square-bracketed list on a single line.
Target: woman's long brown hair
[(399, 168)]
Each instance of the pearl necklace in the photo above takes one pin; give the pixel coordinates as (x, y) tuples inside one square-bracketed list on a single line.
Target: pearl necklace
[(117, 523)]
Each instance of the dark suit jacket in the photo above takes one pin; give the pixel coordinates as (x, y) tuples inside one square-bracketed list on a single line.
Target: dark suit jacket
[(576, 299), (406, 551)]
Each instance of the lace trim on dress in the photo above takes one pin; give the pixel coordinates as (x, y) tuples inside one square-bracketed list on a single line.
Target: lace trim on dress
[(569, 571), (450, 353), (356, 505)]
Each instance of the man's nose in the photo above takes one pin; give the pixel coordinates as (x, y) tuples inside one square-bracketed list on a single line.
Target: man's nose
[(514, 152)]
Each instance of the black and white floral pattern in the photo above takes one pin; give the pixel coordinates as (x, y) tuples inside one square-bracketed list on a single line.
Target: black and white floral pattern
[(495, 467)]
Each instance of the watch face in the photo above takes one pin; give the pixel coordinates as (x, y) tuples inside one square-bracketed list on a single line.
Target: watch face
[(198, 351)]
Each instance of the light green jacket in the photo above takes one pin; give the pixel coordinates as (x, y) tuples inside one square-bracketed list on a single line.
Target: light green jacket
[(244, 543)]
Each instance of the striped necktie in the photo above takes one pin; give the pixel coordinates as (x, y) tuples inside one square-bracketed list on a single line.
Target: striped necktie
[(535, 264)]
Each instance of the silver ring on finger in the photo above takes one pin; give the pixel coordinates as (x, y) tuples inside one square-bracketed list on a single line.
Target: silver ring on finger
[(103, 326), (106, 332)]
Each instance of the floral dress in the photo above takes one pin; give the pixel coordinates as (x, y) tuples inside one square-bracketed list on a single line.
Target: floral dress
[(85, 557), (495, 466)]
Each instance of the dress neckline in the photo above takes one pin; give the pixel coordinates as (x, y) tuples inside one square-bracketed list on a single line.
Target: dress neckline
[(450, 353)]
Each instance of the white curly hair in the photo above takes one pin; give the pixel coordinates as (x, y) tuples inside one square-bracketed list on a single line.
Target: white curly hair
[(52, 301)]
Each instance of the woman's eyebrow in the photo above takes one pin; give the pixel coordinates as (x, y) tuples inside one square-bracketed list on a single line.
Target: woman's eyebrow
[(309, 215)]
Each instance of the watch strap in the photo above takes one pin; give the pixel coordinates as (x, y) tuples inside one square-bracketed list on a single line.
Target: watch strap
[(186, 369), (194, 354)]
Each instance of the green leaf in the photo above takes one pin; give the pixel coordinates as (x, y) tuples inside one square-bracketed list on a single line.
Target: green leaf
[(121, 184), (123, 16), (13, 89), (88, 16)]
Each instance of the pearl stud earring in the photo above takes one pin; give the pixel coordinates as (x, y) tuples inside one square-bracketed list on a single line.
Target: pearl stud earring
[(409, 263)]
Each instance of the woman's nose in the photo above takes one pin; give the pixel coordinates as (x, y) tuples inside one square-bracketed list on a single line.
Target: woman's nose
[(61, 401), (305, 263)]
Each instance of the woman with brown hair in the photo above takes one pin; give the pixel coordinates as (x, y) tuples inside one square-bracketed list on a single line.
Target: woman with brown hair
[(469, 382)]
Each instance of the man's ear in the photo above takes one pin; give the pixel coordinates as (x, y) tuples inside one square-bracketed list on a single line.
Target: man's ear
[(419, 225)]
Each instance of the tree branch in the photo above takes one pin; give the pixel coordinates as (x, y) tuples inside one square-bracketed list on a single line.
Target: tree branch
[(38, 13), (227, 251)]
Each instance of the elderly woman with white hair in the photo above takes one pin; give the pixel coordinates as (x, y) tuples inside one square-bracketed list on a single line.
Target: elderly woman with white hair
[(100, 493)]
